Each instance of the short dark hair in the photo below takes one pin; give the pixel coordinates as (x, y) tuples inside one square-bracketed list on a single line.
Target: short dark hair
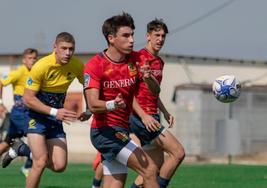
[(112, 24), (65, 37), (29, 51), (156, 25)]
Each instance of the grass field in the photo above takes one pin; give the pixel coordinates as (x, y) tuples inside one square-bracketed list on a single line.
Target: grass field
[(188, 176)]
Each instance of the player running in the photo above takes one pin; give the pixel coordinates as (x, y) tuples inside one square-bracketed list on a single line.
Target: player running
[(145, 120), (111, 79), (44, 94), (18, 117)]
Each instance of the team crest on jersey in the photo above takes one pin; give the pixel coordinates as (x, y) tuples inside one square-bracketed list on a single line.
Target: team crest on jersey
[(132, 68), (32, 124), (86, 80), (122, 136), (29, 81), (108, 72)]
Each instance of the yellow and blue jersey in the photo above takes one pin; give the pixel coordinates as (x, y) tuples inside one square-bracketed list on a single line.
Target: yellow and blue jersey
[(51, 80), (48, 76), (17, 78)]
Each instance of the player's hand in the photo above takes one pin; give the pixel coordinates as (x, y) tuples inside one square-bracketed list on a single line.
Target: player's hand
[(145, 70), (151, 123), (119, 101), (3, 111), (66, 116), (170, 119), (84, 116)]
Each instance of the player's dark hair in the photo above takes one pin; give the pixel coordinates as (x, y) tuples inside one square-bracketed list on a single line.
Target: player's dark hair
[(65, 37), (156, 25), (29, 51), (112, 24)]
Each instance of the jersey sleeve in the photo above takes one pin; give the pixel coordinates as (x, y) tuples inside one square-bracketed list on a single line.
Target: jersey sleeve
[(35, 78), (12, 77), (92, 74)]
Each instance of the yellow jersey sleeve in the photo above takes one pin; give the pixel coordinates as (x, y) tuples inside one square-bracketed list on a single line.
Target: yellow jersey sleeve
[(48, 76), (11, 78), (34, 79)]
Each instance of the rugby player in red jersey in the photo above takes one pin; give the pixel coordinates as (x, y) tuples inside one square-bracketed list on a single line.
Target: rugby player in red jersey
[(111, 78), (145, 120)]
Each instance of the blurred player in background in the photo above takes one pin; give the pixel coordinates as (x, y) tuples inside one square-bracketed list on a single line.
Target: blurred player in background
[(18, 118), (111, 78), (145, 120), (44, 94)]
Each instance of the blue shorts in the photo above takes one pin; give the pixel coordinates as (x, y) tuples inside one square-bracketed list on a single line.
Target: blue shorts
[(45, 124), (139, 129), (47, 127), (109, 141), (19, 118)]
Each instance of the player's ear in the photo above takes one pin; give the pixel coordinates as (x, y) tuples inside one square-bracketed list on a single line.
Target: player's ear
[(55, 46), (148, 36), (23, 60), (111, 39)]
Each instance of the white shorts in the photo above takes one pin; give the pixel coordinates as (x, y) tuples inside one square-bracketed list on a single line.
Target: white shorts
[(119, 164)]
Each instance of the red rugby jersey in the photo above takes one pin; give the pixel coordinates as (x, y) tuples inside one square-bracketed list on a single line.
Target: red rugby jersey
[(112, 78), (146, 100)]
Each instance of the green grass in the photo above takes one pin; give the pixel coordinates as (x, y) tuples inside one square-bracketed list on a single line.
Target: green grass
[(188, 176)]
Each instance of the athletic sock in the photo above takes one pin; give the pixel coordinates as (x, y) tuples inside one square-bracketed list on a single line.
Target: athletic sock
[(24, 150), (96, 183), (163, 183), (134, 186), (28, 163)]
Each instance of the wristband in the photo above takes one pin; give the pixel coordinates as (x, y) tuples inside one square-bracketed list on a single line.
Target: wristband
[(53, 112), (110, 105), (1, 101)]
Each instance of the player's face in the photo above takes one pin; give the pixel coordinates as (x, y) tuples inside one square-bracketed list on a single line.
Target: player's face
[(123, 41), (29, 60), (156, 39), (64, 51)]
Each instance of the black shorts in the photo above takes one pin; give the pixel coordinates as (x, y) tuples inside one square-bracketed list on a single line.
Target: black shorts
[(139, 129), (109, 140)]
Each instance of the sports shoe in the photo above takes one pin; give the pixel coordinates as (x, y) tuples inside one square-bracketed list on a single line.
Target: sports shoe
[(12, 153), (25, 171)]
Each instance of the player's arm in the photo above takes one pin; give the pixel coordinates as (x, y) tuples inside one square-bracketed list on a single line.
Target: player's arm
[(87, 114), (168, 117), (151, 123), (33, 86), (100, 106), (30, 100), (150, 80), (93, 73), (10, 78)]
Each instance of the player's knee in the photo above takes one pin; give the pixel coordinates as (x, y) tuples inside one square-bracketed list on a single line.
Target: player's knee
[(59, 167), (40, 163), (178, 154), (181, 154), (151, 171)]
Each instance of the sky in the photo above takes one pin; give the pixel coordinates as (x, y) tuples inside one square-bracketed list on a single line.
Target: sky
[(234, 29)]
